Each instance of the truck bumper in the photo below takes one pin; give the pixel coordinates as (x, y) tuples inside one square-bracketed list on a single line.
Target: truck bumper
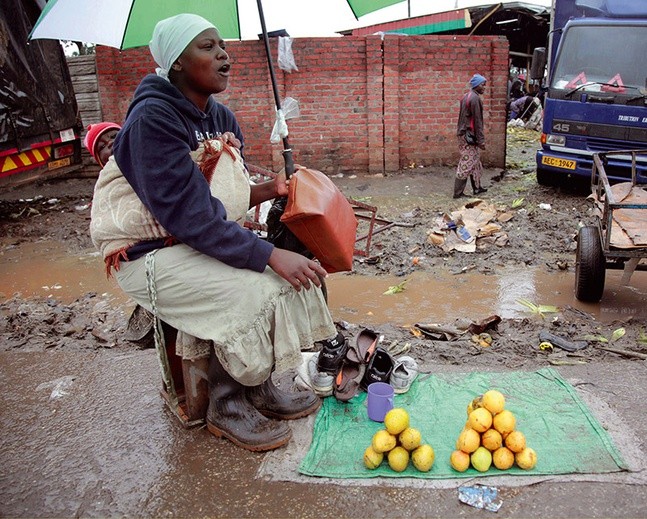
[(559, 165)]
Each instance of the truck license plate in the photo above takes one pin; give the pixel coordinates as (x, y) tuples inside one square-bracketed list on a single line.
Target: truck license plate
[(558, 163), (55, 164)]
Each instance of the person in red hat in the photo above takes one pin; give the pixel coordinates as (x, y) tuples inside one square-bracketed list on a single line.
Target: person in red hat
[(99, 139)]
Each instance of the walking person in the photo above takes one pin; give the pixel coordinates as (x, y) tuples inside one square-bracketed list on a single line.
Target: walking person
[(471, 138), (167, 216)]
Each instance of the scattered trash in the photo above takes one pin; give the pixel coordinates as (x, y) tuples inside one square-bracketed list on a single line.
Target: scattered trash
[(617, 334), (538, 309), (480, 496), (81, 207), (518, 202), (547, 207), (545, 346), (464, 234), (482, 339), (560, 342), (394, 289), (475, 222), (60, 386), (488, 323), (436, 332)]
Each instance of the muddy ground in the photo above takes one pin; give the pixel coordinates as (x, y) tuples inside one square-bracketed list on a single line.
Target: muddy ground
[(530, 234)]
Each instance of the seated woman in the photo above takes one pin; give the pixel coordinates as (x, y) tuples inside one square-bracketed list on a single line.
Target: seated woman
[(171, 234)]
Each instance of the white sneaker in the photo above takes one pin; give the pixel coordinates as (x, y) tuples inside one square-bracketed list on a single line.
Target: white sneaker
[(404, 373), (308, 377)]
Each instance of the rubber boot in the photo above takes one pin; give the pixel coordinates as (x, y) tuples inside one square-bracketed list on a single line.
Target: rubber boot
[(276, 403), (459, 187), (231, 415)]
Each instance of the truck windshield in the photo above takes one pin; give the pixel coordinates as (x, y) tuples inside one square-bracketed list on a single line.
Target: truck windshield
[(593, 57)]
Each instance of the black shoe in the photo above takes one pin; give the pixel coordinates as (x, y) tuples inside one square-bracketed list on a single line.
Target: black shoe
[(480, 190), (462, 195), (379, 368), (332, 354)]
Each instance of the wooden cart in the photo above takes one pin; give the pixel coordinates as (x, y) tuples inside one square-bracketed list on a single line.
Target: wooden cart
[(619, 238)]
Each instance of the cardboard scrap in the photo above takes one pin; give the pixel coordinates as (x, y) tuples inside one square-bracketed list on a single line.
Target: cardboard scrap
[(480, 218), (628, 225)]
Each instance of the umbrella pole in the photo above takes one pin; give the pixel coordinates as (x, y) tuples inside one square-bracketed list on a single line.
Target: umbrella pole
[(287, 151)]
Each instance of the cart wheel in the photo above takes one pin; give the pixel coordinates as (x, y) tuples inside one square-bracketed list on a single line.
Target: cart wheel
[(590, 266)]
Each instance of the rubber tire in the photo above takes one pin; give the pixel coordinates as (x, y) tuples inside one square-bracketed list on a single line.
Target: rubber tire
[(547, 178), (590, 265)]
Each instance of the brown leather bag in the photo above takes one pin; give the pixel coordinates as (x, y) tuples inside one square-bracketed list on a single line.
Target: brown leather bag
[(322, 218)]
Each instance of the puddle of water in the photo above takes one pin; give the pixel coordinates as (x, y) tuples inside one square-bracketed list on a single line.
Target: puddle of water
[(442, 297), (45, 269)]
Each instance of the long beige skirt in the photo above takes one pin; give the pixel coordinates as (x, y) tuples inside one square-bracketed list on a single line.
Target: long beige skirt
[(257, 322)]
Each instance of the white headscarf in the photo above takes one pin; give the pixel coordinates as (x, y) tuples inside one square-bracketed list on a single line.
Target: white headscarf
[(171, 36)]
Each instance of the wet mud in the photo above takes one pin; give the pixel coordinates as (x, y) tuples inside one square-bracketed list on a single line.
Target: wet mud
[(55, 295)]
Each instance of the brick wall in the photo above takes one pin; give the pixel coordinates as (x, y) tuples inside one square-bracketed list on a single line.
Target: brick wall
[(367, 104)]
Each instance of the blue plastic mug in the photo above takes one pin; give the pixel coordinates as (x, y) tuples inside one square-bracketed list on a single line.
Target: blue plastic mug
[(379, 400)]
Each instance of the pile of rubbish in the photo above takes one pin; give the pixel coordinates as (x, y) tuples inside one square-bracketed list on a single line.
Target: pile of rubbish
[(477, 224)]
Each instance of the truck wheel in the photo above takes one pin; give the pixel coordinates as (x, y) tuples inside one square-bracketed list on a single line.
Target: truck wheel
[(590, 266), (546, 178)]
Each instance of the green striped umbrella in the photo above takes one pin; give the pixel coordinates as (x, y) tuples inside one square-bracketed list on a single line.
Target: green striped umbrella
[(124, 24)]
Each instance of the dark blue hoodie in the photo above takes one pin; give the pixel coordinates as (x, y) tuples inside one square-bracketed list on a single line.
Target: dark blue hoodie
[(152, 151)]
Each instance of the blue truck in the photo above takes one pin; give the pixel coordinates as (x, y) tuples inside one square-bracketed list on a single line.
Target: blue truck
[(596, 95)]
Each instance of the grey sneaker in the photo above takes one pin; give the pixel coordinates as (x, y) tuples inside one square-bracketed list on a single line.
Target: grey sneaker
[(320, 381), (404, 373), (309, 377)]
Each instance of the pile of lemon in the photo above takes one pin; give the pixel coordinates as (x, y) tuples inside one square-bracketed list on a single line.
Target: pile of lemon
[(399, 443), (490, 437)]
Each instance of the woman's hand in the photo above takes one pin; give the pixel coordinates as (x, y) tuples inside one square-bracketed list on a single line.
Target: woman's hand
[(230, 138), (296, 269), (281, 183)]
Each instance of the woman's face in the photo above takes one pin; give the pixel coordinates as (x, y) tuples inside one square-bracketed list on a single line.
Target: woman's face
[(203, 65), (103, 146)]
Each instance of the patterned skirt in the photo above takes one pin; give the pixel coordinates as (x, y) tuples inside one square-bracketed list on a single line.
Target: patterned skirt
[(469, 162)]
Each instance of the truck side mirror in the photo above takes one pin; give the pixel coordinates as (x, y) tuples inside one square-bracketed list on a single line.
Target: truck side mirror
[(538, 63)]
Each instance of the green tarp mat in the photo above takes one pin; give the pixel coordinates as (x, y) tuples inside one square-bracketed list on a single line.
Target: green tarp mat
[(556, 422)]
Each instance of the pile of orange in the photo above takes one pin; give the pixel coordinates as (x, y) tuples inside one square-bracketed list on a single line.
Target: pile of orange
[(490, 437)]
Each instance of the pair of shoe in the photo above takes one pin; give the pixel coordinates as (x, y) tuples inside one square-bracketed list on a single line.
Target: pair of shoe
[(364, 364), (353, 366)]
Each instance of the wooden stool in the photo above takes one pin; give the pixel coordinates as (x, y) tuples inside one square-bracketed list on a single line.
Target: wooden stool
[(188, 399)]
